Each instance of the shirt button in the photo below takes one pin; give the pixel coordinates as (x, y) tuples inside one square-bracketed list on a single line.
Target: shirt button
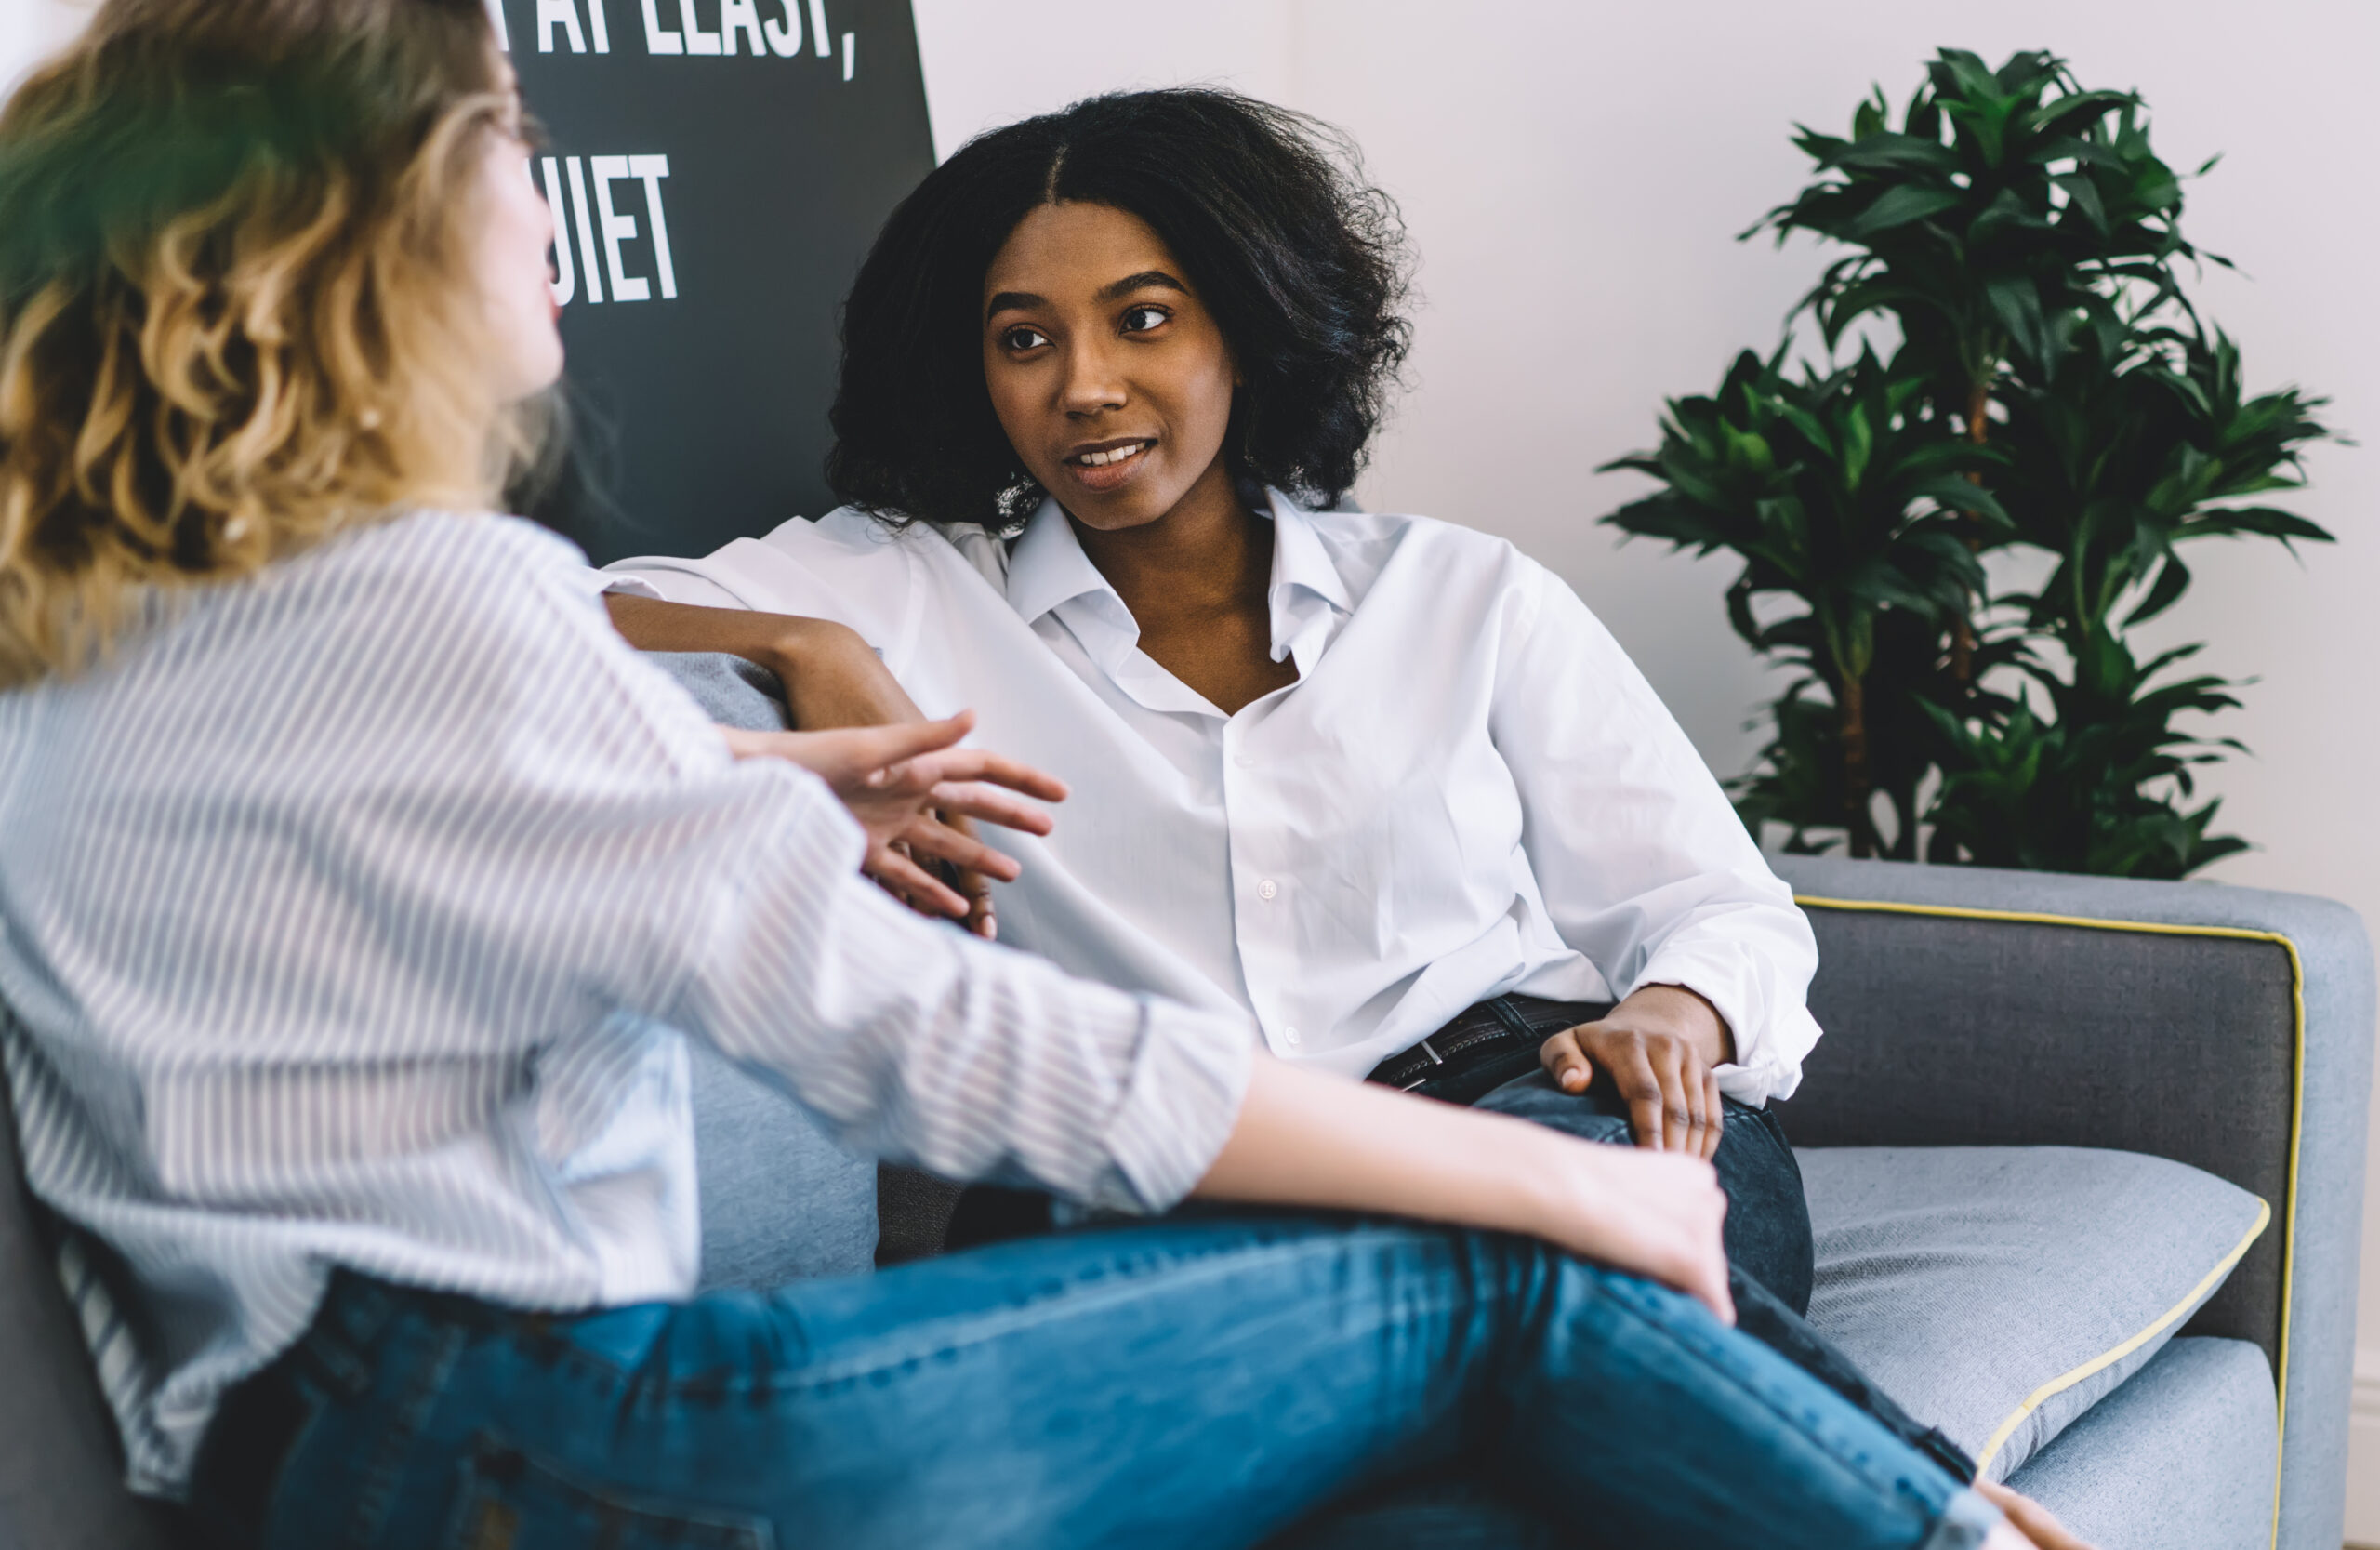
[(1290, 1037), (1268, 888), (1244, 761)]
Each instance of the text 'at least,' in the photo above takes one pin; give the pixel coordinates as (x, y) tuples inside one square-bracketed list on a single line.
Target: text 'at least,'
[(737, 26)]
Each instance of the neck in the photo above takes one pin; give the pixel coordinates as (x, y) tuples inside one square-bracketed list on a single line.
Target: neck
[(1208, 552)]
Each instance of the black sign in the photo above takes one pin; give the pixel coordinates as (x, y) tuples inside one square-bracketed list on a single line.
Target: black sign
[(717, 169)]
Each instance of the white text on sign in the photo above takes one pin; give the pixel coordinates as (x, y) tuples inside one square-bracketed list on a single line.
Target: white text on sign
[(759, 27), (602, 227)]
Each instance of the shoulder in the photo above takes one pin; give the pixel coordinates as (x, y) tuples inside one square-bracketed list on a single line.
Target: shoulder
[(1460, 568), (426, 553), (849, 536), (473, 615), (1419, 537)]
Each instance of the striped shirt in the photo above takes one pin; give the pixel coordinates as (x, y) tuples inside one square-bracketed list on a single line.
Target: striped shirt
[(350, 916)]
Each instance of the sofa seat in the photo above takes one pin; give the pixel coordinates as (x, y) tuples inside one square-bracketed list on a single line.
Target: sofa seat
[(2179, 1458), (2026, 1300)]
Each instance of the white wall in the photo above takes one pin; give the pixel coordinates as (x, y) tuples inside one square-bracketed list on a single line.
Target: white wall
[(1573, 175), (30, 29)]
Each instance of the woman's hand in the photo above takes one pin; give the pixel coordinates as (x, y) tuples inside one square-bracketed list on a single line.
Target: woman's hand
[(832, 677), (902, 783), (1304, 1138), (1656, 1214), (1657, 1048)]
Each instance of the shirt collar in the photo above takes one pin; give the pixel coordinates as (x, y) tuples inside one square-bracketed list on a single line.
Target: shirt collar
[(1048, 566), (1298, 559), (1048, 571)]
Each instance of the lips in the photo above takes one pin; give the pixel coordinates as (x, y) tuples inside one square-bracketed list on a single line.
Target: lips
[(1105, 466)]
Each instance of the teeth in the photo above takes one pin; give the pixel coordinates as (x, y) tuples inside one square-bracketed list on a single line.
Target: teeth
[(1100, 460)]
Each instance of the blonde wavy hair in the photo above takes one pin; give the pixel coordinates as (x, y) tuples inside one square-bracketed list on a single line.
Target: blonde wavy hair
[(236, 308)]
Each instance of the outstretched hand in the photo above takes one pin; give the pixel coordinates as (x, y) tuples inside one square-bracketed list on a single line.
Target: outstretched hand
[(912, 789)]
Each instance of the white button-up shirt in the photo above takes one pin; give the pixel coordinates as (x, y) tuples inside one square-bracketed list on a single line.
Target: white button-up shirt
[(1470, 789)]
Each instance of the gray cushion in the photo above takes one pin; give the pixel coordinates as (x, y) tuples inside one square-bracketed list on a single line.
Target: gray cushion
[(2179, 1458), (61, 1469), (781, 1198), (1999, 1292)]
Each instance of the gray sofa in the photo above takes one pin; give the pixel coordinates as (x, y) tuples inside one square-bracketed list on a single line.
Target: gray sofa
[(2226, 1029)]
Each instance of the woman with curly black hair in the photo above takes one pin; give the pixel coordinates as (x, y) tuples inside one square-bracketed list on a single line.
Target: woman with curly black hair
[(1300, 266), (1354, 773)]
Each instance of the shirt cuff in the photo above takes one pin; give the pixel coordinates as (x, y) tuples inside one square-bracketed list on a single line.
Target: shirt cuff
[(1189, 1077), (593, 583), (1769, 1057)]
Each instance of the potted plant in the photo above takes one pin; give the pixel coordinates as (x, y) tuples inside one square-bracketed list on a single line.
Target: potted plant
[(2048, 387)]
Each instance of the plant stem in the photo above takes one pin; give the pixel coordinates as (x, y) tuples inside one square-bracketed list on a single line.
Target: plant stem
[(1857, 788), (1978, 430)]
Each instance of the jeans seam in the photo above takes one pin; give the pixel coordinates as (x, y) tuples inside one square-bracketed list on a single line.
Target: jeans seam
[(982, 1330), (377, 1490)]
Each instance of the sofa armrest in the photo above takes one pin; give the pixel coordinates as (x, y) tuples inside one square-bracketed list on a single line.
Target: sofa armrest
[(2226, 1028)]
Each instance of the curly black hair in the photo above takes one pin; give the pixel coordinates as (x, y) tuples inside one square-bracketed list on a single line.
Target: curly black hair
[(1300, 262)]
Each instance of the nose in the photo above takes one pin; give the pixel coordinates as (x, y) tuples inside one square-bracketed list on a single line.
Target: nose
[(1092, 381)]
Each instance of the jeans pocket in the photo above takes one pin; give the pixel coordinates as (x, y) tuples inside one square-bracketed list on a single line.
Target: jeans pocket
[(512, 1500)]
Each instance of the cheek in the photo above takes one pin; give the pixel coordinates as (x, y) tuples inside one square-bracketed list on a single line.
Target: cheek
[(1014, 398), (1204, 396), (532, 232)]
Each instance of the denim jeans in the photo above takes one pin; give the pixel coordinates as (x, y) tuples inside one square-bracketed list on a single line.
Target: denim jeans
[(1768, 1216), (1193, 1382)]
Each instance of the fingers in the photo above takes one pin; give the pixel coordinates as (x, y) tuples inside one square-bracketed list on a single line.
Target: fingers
[(912, 884), (1640, 1087), (1709, 1288), (880, 751), (1690, 1099), (995, 769), (855, 759), (1565, 1061), (1706, 1274), (977, 800), (981, 920), (1717, 1109), (929, 836), (1683, 1118)]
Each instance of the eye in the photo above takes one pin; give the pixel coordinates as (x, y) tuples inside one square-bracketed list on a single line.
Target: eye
[(1022, 337), (1141, 319)]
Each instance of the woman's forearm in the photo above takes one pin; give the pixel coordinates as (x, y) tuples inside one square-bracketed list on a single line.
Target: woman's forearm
[(1307, 1139), (831, 676), (777, 641)]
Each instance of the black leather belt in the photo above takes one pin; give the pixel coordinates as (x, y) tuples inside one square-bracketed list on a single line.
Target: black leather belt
[(1484, 1048)]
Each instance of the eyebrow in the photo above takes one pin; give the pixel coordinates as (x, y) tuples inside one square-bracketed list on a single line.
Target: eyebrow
[(1147, 279)]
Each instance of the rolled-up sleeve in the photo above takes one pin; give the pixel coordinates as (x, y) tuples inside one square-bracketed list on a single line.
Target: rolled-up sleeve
[(922, 1043), (1643, 864)]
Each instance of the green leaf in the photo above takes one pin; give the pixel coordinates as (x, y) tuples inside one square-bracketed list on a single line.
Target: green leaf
[(1898, 206), (1884, 152), (2017, 304), (2069, 114)]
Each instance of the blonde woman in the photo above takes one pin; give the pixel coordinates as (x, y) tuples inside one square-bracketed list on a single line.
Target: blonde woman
[(349, 975)]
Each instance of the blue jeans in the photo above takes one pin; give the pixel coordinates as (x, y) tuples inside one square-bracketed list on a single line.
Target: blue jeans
[(1198, 1382)]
